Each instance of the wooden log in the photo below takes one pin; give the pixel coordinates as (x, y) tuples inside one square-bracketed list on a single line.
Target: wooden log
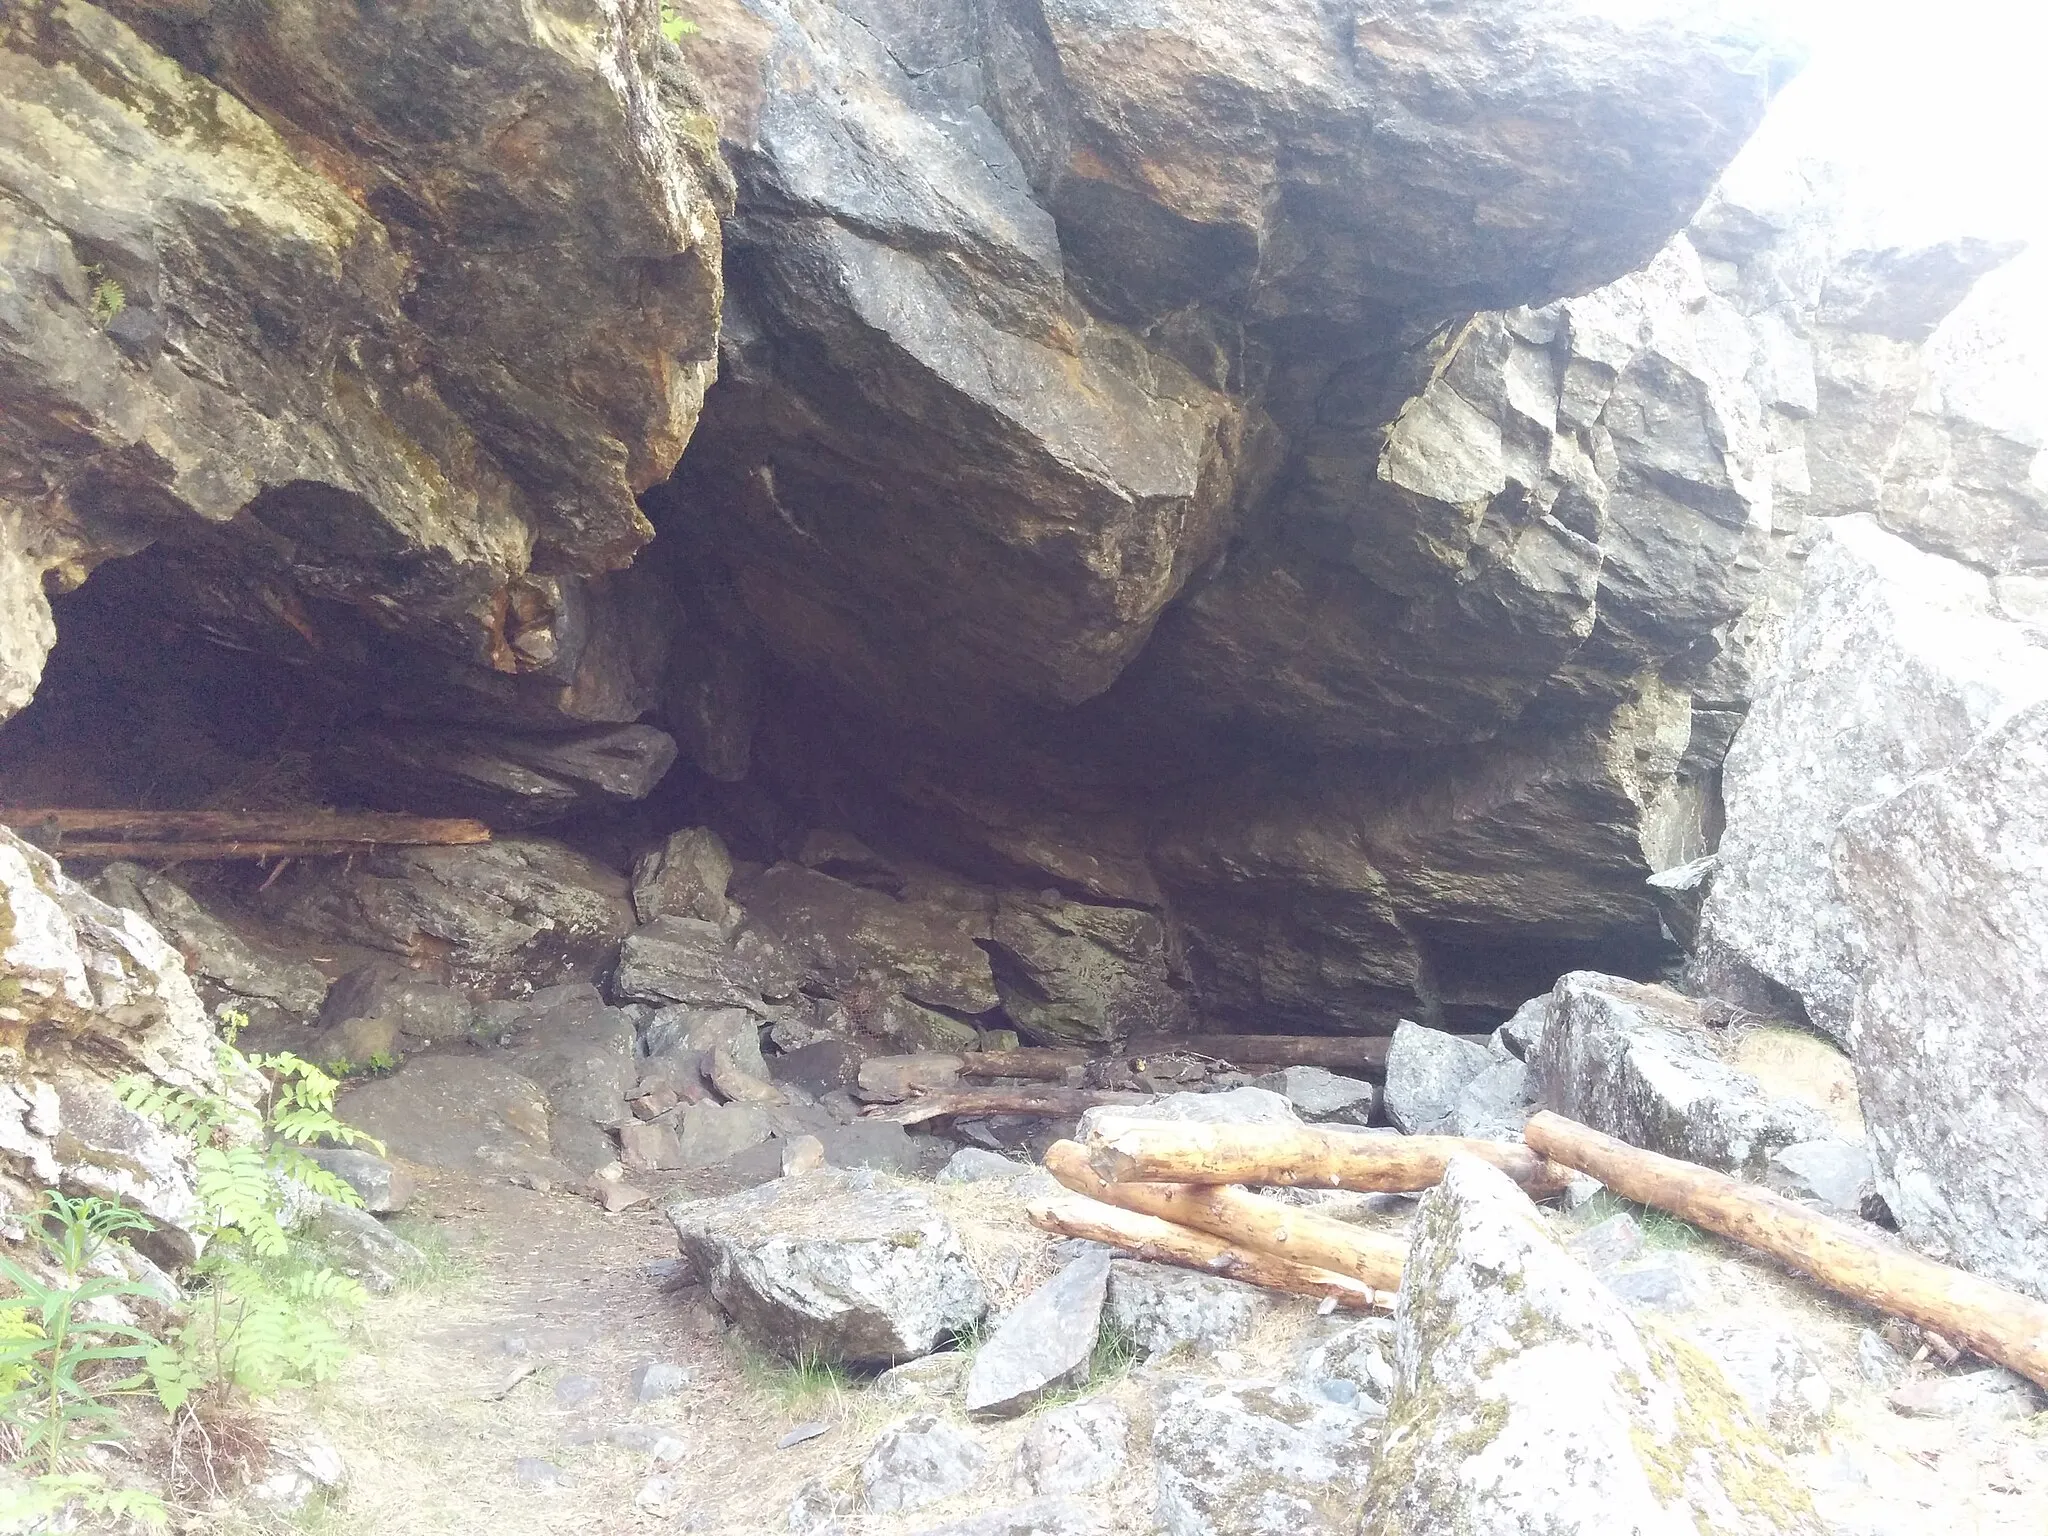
[(1241, 1217), (1147, 1237), (1358, 1055), (111, 834), (1056, 1103), (1041, 1063), (1128, 1148), (2002, 1325)]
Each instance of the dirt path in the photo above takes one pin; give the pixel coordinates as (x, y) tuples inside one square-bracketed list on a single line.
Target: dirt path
[(440, 1438)]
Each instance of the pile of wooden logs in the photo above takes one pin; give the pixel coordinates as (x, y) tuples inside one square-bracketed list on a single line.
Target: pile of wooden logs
[(1174, 1192)]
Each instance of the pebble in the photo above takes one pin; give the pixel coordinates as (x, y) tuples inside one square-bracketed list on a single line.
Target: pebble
[(801, 1433), (575, 1390), (655, 1379)]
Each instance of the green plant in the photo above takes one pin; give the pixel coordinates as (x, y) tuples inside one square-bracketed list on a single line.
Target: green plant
[(806, 1382), (674, 25), (109, 298), (55, 1355), (272, 1314)]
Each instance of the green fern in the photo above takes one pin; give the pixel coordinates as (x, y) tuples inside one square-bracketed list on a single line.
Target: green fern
[(674, 25)]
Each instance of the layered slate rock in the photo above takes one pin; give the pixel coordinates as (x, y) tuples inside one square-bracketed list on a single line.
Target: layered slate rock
[(1071, 973), (846, 936), (230, 968), (90, 994), (1945, 884), (1894, 662), (280, 316), (510, 779), (837, 1264), (1637, 1062), (1526, 1401)]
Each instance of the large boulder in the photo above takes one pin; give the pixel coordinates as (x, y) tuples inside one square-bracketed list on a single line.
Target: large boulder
[(1075, 974), (838, 1264), (1526, 1401), (274, 304), (522, 907), (1894, 663), (1640, 1063), (1945, 882)]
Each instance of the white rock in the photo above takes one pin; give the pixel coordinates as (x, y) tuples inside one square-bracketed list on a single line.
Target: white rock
[(1257, 1458), (1948, 882), (1427, 1070), (1526, 1402), (1894, 663), (1785, 1390), (1161, 1308), (1637, 1062), (919, 1461), (838, 1263), (1074, 1449)]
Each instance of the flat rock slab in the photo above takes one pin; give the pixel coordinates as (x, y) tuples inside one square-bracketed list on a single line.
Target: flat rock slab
[(1527, 1403), (445, 1110), (839, 1264), (1045, 1344)]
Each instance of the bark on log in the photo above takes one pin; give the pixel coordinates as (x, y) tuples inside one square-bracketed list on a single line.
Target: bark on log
[(1241, 1217), (2000, 1324), (1147, 1237), (1126, 1149), (1051, 1102), (117, 834), (1359, 1055), (1040, 1063)]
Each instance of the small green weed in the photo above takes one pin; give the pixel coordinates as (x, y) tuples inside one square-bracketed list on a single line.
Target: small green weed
[(1660, 1229), (109, 298), (61, 1368), (674, 25), (808, 1383)]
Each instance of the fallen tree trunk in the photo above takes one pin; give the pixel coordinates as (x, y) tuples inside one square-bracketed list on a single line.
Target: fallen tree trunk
[(117, 834), (1127, 1149), (1239, 1216), (1147, 1237), (1042, 1063), (2000, 1324), (1051, 1102), (1365, 1055)]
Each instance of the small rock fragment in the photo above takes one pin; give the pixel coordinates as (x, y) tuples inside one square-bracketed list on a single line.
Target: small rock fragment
[(1075, 1448), (653, 1380), (801, 1155), (918, 1461)]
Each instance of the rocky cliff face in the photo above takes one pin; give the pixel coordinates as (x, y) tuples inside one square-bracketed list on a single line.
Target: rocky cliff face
[(1306, 474)]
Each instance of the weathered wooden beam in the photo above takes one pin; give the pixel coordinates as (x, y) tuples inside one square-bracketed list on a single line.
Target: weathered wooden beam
[(2002, 1325), (1239, 1216), (1130, 1148), (1057, 1103), (1047, 1064), (172, 835), (1357, 1055), (1147, 1237)]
